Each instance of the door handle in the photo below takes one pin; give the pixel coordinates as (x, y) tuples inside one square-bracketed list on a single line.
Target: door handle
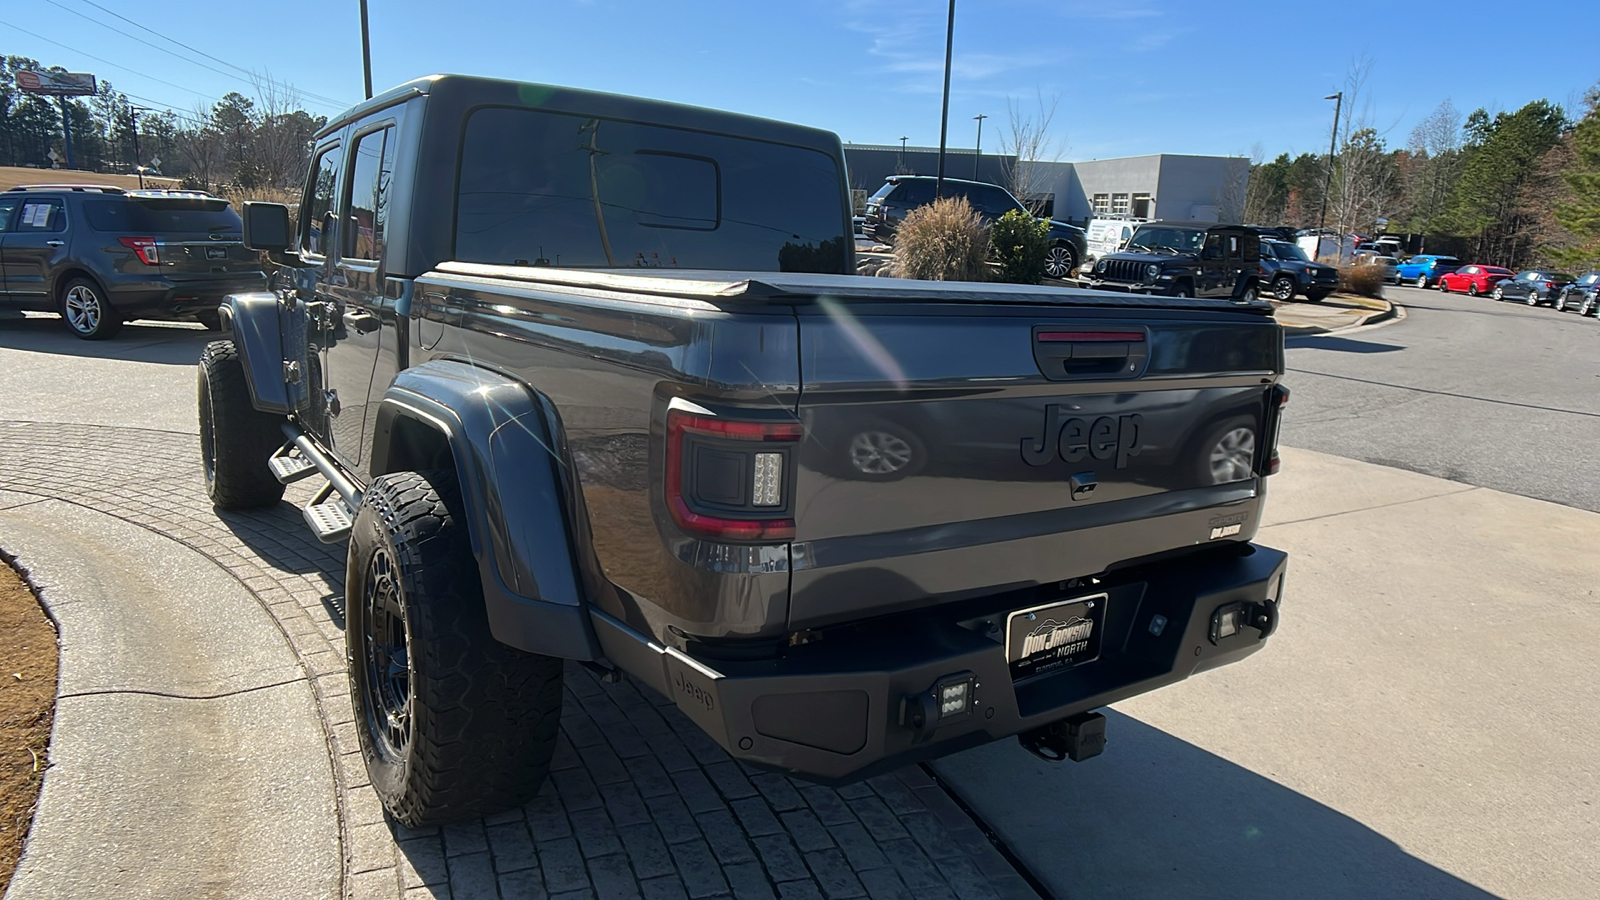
[(54, 243), (360, 322)]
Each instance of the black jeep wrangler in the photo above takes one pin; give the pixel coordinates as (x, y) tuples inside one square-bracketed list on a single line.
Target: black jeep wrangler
[(1184, 259)]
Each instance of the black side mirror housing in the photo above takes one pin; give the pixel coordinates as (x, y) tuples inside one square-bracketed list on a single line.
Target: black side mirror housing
[(266, 226)]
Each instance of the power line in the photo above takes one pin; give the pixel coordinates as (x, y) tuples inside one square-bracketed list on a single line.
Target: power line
[(112, 28), (341, 104), (110, 63)]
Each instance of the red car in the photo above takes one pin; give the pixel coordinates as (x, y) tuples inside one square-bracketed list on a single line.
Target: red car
[(1473, 280)]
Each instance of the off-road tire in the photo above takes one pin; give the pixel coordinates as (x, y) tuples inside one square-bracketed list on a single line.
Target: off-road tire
[(86, 312), (476, 729), (236, 439), (1181, 289), (1283, 289)]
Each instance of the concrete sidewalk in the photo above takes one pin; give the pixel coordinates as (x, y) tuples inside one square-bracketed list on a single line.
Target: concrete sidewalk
[(1422, 724), (186, 758)]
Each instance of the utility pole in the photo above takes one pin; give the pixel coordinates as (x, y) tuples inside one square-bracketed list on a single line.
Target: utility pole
[(366, 51), (138, 164), (66, 131), (1327, 182), (903, 152), (978, 147), (944, 114)]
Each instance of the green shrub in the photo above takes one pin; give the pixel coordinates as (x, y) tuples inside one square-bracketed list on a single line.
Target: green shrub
[(1020, 242), (943, 241), (1363, 281)]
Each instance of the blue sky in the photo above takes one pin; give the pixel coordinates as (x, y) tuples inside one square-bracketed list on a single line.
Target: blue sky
[(1134, 76)]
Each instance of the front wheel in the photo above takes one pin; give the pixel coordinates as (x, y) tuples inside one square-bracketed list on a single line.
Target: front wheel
[(453, 724), (236, 439), (1283, 289), (1181, 289), (1559, 303), (1443, 288), (1498, 294), (1585, 306), (83, 306), (1060, 260)]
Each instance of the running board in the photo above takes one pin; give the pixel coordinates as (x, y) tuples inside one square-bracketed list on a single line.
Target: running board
[(288, 468), (328, 517), (330, 513)]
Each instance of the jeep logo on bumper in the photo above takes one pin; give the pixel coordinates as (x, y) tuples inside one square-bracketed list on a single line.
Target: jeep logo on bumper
[(1074, 439)]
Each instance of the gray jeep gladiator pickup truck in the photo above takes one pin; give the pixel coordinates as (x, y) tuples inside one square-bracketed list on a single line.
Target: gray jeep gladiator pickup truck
[(583, 378)]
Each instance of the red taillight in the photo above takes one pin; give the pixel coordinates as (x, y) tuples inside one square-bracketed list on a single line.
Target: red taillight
[(730, 479), (1549, 284), (145, 248), (1281, 398)]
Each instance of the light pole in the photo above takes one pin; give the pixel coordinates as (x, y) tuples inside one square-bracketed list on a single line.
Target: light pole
[(1327, 182), (903, 152), (944, 113), (366, 51), (978, 147)]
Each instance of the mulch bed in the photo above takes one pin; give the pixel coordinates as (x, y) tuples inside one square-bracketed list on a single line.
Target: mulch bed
[(27, 705)]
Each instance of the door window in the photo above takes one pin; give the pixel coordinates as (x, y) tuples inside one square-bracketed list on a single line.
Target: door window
[(42, 216), (367, 211), (7, 207), (1213, 247), (317, 222)]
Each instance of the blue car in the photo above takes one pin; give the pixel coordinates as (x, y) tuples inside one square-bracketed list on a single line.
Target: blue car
[(1424, 269)]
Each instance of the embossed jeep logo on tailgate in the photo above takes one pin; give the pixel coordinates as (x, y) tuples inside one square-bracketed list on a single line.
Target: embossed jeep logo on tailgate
[(1072, 439)]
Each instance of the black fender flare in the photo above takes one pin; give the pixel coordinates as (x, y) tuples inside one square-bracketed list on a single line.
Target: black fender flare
[(255, 324), (511, 466)]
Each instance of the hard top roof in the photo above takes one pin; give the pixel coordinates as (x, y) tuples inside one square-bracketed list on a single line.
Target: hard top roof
[(470, 91)]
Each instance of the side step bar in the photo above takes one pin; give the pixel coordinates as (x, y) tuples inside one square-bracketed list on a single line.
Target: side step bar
[(330, 517)]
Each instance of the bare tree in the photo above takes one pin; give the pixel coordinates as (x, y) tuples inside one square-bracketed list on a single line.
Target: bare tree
[(283, 134), (1232, 195), (201, 147), (1436, 141), (1027, 141), (1364, 186)]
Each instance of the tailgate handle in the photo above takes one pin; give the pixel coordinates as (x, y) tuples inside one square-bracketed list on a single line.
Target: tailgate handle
[(1065, 355)]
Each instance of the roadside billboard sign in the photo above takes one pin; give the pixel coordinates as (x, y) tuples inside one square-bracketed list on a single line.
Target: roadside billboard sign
[(56, 84)]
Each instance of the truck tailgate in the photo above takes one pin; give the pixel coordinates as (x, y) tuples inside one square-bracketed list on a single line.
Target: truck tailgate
[(953, 450)]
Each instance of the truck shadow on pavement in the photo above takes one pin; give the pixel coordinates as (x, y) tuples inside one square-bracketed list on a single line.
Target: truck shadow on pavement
[(1157, 816), (164, 343), (1338, 344)]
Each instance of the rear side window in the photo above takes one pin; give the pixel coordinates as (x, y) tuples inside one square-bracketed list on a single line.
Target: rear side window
[(6, 208), (162, 216), (317, 223), (914, 193), (542, 188), (368, 214), (41, 216)]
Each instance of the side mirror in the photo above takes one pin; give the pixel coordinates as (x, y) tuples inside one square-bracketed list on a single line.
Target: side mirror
[(266, 226)]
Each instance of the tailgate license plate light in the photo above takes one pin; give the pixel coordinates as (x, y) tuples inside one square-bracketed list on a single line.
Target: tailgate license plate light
[(216, 253), (1055, 636)]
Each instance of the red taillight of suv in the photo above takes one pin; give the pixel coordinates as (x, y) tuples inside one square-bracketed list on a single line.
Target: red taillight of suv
[(143, 247), (1280, 399), (731, 480)]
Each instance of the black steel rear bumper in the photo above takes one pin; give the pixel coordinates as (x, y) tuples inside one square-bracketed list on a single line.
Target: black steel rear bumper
[(834, 710)]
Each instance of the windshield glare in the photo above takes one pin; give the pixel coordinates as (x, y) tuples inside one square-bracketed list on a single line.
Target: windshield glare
[(1290, 252), (1180, 240)]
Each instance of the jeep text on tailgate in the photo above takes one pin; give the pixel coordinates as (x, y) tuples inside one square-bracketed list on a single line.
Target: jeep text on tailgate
[(578, 385)]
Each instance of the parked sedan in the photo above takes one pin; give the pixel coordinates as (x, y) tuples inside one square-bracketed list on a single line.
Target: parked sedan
[(1533, 286), (1580, 294), (1473, 280), (1425, 269)]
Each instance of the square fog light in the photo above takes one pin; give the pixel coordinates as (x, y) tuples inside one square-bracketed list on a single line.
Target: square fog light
[(1226, 621)]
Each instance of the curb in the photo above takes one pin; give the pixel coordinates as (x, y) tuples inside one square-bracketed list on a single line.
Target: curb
[(1390, 311)]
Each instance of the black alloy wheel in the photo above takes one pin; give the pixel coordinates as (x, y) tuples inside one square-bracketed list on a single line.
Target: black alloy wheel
[(387, 681), (1283, 288)]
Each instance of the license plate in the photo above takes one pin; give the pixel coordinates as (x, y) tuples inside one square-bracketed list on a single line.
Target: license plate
[(1055, 636), (216, 253)]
